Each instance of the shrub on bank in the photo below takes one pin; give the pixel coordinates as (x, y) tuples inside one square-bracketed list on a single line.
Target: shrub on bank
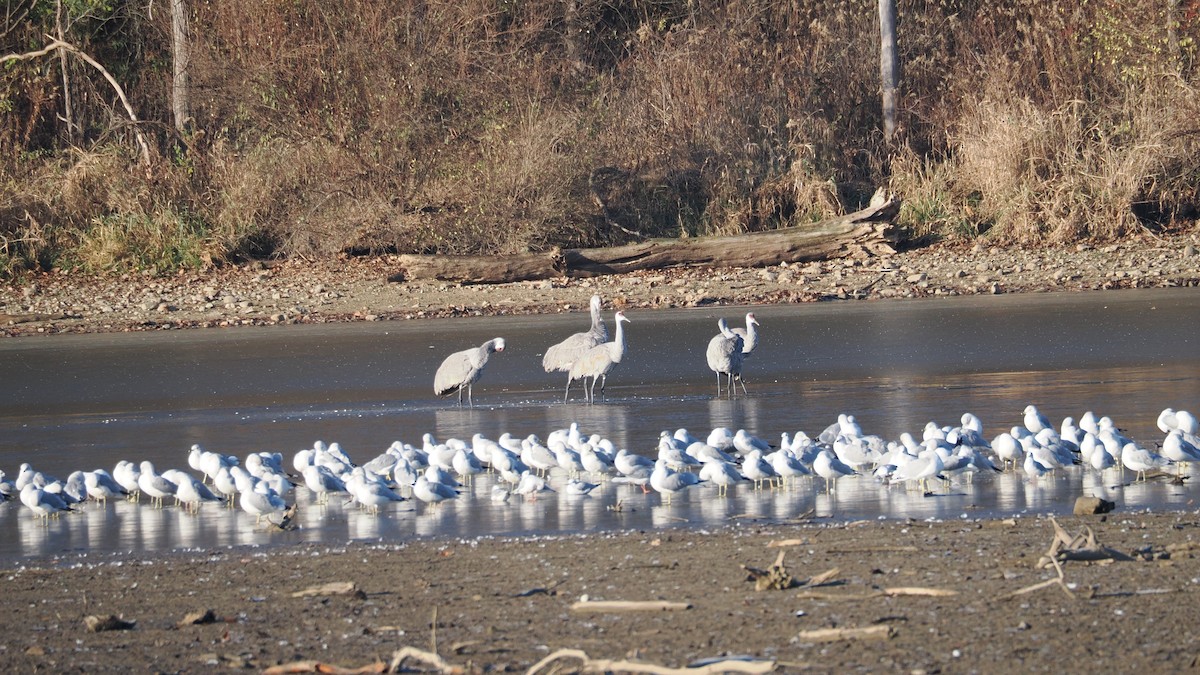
[(495, 127)]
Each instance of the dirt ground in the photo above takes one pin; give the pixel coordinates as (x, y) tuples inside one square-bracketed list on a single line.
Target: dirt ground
[(503, 604)]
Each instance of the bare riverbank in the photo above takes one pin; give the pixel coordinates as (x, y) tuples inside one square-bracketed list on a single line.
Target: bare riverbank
[(356, 289)]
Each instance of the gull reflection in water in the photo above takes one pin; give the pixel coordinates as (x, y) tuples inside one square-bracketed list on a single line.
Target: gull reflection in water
[(36, 533), (431, 520), (714, 509), (364, 525)]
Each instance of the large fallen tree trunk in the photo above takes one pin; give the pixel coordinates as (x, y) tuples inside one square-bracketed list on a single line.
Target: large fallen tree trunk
[(865, 232)]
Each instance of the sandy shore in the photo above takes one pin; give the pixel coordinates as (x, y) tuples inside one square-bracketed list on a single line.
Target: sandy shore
[(505, 604)]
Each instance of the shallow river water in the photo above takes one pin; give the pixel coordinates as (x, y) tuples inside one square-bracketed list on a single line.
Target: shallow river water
[(84, 402)]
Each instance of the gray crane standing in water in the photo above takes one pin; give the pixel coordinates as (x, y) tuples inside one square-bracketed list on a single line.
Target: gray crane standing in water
[(462, 369), (560, 357), (598, 361), (725, 354)]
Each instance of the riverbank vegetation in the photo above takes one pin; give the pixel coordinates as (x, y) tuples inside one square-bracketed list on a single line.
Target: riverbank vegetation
[(499, 126)]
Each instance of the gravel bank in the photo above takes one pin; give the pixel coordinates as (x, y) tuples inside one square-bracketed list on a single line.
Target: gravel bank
[(355, 289)]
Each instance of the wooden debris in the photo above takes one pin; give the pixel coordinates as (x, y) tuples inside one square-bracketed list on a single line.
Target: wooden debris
[(822, 579), (774, 577), (628, 606), (782, 543), (778, 578), (920, 591), (880, 632), (428, 658), (29, 318), (875, 549), (322, 667), (1066, 547), (1080, 547), (819, 595), (862, 233), (591, 665), (197, 618), (1182, 547), (331, 588), (893, 592), (99, 624), (1039, 586)]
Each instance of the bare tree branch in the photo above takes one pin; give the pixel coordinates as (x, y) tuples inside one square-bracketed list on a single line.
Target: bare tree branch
[(14, 17), (56, 44)]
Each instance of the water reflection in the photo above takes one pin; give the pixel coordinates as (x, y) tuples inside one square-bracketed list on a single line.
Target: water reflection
[(125, 526)]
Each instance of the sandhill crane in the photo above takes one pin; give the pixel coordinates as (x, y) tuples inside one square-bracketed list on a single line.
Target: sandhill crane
[(560, 357), (725, 356), (749, 334), (462, 369), (598, 361)]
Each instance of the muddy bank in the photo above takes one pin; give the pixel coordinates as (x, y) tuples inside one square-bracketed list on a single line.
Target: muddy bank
[(932, 597), (355, 289)]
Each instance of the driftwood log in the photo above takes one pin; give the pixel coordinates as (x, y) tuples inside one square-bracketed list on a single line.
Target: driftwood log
[(865, 232)]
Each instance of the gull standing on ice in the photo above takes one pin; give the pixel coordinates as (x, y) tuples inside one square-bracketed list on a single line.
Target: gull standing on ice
[(43, 504), (829, 467), (432, 493), (667, 482), (1139, 460), (155, 485), (261, 501), (1034, 420)]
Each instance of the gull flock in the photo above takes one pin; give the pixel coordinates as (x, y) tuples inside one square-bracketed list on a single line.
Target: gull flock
[(577, 464)]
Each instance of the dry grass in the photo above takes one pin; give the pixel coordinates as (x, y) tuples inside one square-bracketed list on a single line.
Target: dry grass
[(485, 126)]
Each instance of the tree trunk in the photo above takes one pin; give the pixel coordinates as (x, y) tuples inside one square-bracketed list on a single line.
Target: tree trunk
[(889, 67), (1173, 34), (865, 232), (181, 96), (68, 112)]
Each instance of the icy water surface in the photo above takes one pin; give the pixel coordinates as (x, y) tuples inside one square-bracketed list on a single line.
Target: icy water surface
[(84, 402)]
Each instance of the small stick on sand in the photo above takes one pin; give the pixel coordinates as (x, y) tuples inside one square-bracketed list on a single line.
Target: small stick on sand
[(591, 665), (331, 588), (881, 632), (628, 606), (429, 658)]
